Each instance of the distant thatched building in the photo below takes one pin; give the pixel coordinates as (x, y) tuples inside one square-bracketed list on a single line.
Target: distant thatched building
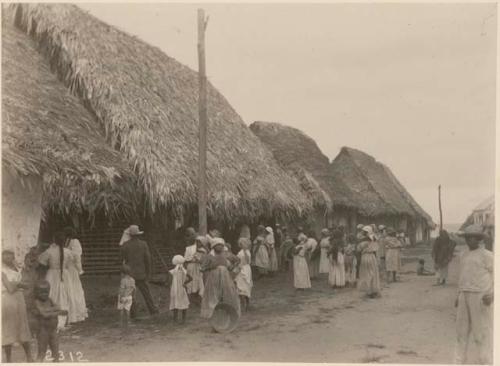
[(301, 156), (52, 156), (380, 197), (144, 104), (484, 215)]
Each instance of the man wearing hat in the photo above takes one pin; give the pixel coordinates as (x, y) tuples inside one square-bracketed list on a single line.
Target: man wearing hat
[(135, 253), (475, 298)]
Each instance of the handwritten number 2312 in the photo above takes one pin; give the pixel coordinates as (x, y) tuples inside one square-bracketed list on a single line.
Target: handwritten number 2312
[(76, 357)]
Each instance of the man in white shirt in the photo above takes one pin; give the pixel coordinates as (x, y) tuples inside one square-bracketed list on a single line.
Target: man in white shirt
[(474, 301)]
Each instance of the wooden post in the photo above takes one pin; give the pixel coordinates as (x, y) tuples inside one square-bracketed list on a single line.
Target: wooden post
[(202, 107), (440, 210)]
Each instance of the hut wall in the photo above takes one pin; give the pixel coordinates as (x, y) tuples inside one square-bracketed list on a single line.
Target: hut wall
[(21, 212)]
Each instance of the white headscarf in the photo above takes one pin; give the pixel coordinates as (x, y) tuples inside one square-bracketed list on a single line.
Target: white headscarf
[(125, 237), (178, 262)]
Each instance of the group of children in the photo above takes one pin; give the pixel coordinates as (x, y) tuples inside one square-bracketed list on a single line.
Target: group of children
[(19, 322)]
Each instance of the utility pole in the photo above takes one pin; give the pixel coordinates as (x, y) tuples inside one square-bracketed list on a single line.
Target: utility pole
[(202, 107), (440, 210)]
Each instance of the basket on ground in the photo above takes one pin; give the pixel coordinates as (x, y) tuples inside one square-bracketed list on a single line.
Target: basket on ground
[(224, 319)]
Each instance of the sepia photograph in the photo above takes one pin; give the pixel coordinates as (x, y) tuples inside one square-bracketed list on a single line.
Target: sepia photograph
[(248, 182)]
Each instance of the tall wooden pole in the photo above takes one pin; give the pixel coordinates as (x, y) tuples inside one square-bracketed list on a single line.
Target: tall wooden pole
[(202, 106), (440, 210)]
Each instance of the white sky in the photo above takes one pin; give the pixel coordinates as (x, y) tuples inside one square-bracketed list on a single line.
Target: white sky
[(411, 84)]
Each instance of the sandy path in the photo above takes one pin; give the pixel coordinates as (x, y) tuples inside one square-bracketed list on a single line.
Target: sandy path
[(413, 322)]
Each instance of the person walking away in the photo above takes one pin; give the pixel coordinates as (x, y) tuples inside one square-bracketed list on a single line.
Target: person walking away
[(15, 326), (126, 295), (261, 252), (313, 256), (336, 275), (77, 305), (350, 261), (135, 253), (271, 244), (324, 244), (301, 279), (59, 259), (192, 256), (474, 301), (46, 313), (179, 278), (369, 281), (392, 255), (244, 281), (219, 285), (442, 254)]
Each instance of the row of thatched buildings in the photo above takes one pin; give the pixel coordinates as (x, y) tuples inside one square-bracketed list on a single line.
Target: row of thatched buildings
[(101, 130)]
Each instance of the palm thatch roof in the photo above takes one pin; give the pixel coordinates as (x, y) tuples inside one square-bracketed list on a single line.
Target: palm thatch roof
[(146, 104), (300, 155), (376, 190), (47, 132)]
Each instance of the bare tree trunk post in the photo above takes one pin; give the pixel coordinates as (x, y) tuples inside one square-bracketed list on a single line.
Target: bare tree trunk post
[(202, 106), (440, 210)]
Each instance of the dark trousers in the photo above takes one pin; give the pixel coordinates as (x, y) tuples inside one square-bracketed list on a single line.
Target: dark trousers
[(143, 287)]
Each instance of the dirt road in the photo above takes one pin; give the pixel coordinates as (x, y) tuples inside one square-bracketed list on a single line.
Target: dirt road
[(413, 322)]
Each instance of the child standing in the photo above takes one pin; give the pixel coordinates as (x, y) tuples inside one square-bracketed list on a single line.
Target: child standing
[(178, 290), (244, 278), (46, 313), (301, 279), (126, 295)]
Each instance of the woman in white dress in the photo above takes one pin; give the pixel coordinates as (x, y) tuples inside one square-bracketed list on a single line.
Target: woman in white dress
[(273, 258), (260, 255), (244, 281), (77, 305), (336, 275), (193, 256), (59, 260), (324, 263), (301, 279)]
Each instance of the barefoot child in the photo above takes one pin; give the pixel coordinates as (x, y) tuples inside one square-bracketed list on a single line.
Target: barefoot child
[(178, 288), (244, 278), (126, 295), (46, 313)]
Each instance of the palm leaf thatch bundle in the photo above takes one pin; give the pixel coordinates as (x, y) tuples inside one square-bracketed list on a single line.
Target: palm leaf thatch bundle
[(147, 106), (47, 132), (376, 189), (301, 156)]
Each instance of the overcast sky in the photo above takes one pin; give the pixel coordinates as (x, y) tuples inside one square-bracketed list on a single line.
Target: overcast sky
[(413, 85)]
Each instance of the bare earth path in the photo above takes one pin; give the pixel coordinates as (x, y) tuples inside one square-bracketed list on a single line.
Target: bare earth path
[(413, 322)]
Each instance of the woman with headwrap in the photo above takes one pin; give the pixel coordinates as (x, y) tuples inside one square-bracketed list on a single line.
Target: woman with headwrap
[(442, 253), (270, 242), (192, 257), (369, 280), (301, 279), (219, 284), (313, 255), (261, 252), (179, 279)]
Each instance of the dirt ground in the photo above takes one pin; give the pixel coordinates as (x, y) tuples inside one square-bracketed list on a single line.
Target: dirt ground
[(413, 322)]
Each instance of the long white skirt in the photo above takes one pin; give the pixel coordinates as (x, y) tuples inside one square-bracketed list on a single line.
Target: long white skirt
[(301, 277), (324, 262), (336, 275), (76, 297), (244, 281), (196, 285)]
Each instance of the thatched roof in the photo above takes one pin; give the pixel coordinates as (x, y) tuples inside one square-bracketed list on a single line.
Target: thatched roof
[(47, 132), (487, 205), (147, 106), (376, 190), (300, 155)]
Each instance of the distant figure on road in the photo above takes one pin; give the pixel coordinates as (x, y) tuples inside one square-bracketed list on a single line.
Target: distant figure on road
[(369, 280), (135, 253), (442, 253), (392, 255), (475, 298)]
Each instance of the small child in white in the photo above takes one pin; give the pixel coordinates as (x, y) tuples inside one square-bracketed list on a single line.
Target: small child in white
[(179, 299), (125, 295)]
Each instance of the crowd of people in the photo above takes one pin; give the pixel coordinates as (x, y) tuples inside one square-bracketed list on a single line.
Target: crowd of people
[(48, 296)]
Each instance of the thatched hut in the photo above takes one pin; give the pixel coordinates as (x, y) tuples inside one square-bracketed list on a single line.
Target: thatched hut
[(380, 197), (300, 155), (145, 104), (484, 215), (52, 157)]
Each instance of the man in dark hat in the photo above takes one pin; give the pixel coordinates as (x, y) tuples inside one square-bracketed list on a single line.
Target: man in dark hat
[(135, 253), (442, 253), (475, 298)]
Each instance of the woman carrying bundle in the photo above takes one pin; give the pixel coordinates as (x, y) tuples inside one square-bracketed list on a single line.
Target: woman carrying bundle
[(369, 280), (324, 244), (261, 252), (193, 256), (219, 284), (301, 279)]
